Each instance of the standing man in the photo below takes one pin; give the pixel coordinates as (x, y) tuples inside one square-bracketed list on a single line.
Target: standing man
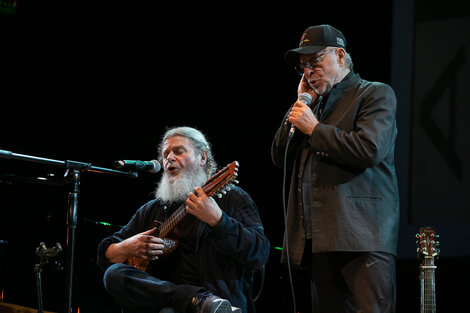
[(343, 207), (221, 242)]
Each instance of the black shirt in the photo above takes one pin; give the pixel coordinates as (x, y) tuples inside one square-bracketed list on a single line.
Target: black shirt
[(186, 269)]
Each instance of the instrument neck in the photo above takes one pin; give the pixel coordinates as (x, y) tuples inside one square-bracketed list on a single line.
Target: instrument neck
[(427, 280)]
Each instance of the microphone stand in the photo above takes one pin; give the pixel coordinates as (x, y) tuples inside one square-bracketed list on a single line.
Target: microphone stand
[(72, 174)]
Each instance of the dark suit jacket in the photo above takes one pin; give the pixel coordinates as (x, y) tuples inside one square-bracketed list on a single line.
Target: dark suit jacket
[(353, 196)]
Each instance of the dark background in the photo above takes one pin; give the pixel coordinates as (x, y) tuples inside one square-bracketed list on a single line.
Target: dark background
[(97, 82)]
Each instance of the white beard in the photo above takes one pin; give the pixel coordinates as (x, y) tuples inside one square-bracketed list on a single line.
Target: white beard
[(178, 189)]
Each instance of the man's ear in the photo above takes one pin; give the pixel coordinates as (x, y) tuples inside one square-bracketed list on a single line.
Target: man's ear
[(341, 56), (203, 158)]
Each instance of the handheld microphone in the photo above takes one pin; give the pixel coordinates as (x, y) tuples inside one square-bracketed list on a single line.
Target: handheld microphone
[(305, 98), (152, 166)]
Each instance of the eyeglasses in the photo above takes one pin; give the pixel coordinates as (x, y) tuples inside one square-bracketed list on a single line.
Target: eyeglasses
[(311, 63)]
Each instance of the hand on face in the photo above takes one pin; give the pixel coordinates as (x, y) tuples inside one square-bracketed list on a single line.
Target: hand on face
[(304, 86)]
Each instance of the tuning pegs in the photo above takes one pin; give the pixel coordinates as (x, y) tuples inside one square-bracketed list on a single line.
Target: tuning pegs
[(222, 191)]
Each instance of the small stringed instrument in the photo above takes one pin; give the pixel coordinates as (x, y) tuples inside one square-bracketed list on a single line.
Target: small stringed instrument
[(215, 186), (427, 252)]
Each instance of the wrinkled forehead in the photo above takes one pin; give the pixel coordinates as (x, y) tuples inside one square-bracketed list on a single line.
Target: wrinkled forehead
[(176, 141)]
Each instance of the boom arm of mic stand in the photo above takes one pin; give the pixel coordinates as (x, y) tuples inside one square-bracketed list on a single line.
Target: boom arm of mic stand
[(81, 166)]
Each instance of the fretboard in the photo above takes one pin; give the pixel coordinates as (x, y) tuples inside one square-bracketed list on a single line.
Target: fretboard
[(428, 292), (173, 221)]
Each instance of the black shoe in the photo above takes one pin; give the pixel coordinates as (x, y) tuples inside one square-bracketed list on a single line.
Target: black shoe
[(208, 303), (214, 304)]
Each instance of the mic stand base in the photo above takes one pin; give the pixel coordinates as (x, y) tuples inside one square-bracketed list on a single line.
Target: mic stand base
[(44, 254)]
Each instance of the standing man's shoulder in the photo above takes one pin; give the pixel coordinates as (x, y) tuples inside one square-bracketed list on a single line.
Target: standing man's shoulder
[(376, 87)]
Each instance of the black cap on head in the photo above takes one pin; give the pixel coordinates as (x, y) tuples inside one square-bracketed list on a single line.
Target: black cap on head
[(315, 39)]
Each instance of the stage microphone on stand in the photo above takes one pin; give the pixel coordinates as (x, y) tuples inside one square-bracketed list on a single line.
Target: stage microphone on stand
[(152, 166)]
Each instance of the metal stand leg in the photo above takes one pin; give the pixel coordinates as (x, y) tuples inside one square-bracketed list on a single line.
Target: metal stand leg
[(38, 270), (71, 228)]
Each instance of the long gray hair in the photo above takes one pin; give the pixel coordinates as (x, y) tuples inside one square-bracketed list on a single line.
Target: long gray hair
[(199, 142)]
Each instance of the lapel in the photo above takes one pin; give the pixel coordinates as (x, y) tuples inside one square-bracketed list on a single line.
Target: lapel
[(332, 100)]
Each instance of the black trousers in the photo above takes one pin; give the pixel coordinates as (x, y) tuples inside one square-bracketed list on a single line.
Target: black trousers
[(347, 282), (137, 291)]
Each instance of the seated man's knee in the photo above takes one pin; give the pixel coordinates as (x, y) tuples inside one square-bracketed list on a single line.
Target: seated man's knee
[(113, 275)]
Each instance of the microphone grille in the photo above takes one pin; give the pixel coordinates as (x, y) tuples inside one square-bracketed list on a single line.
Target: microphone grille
[(305, 97), (157, 166)]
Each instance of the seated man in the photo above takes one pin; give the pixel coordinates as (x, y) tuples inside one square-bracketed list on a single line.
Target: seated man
[(221, 242)]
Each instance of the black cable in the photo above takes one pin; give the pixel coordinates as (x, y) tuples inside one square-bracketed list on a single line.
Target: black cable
[(289, 137), (285, 224)]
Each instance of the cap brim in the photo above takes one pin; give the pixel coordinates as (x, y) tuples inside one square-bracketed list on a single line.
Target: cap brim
[(292, 56)]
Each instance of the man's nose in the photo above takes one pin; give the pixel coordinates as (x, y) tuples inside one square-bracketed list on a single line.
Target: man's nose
[(170, 157)]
